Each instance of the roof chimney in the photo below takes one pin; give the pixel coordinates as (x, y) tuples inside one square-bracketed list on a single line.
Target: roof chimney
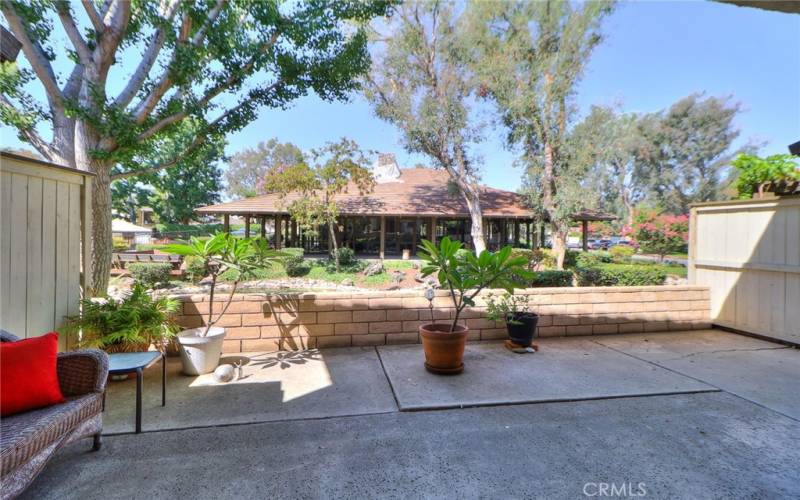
[(385, 168)]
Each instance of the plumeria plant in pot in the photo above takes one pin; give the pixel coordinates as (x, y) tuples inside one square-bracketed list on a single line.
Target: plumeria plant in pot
[(515, 311), (201, 347), (464, 275)]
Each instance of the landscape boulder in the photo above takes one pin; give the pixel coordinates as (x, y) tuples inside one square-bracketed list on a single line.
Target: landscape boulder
[(373, 269)]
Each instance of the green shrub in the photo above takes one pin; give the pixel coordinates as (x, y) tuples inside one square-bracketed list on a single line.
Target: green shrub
[(346, 256), (544, 258), (622, 253), (589, 259), (195, 267), (296, 265), (527, 253), (620, 275), (755, 171), (294, 251), (150, 274), (571, 258), (119, 244), (552, 278), (347, 262)]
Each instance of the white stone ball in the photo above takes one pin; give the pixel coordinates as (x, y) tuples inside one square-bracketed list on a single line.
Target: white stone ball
[(224, 373)]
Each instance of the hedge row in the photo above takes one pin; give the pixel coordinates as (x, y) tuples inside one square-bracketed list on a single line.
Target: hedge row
[(620, 275), (551, 279)]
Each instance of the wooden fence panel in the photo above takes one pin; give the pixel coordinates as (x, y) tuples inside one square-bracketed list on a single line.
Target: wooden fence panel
[(42, 255), (748, 254)]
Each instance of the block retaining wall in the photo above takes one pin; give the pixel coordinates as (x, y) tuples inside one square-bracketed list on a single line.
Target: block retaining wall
[(259, 322)]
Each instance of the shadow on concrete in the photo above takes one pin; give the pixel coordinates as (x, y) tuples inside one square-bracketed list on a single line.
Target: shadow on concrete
[(276, 386)]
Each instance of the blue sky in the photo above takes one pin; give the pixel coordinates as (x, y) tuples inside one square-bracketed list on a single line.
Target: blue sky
[(654, 54)]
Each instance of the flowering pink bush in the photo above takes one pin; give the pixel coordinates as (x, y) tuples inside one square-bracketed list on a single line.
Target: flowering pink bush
[(659, 234)]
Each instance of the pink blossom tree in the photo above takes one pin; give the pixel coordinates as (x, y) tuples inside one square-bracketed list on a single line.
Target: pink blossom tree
[(659, 234)]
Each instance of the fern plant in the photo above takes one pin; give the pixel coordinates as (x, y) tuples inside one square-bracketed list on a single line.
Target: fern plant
[(136, 319)]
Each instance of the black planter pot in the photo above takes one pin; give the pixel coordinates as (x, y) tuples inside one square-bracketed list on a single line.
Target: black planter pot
[(523, 328)]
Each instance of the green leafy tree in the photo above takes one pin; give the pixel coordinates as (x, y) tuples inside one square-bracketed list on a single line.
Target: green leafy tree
[(421, 83), (754, 172), (686, 150), (128, 196), (215, 61), (608, 142), (314, 185), (247, 168), (529, 57), (173, 193)]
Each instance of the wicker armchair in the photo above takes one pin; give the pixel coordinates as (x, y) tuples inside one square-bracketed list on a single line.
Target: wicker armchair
[(28, 440)]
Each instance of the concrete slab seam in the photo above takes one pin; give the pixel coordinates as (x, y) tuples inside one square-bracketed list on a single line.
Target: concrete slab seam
[(701, 380), (416, 408)]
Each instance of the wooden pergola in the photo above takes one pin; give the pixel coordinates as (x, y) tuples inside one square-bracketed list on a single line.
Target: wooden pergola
[(414, 204)]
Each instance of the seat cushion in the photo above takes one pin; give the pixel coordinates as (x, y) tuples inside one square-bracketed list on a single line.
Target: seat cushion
[(24, 435), (29, 379)]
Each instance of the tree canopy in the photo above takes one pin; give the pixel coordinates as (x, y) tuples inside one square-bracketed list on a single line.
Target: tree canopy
[(329, 171), (174, 193), (421, 83), (529, 58), (247, 168), (214, 61), (686, 151)]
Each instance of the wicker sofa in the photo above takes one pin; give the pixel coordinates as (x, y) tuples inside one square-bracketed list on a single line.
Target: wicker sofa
[(28, 440)]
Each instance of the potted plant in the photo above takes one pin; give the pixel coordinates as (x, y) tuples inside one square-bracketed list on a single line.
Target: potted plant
[(201, 348), (463, 274), (515, 311), (128, 324)]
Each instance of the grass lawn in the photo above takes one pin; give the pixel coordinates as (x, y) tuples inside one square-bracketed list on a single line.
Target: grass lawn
[(671, 270), (679, 271)]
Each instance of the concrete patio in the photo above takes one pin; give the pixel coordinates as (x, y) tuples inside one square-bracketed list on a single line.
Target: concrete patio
[(702, 413)]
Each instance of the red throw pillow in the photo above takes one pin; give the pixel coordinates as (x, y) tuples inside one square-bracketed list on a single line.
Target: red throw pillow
[(28, 376)]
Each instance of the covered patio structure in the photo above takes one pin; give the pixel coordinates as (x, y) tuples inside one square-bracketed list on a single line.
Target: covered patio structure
[(405, 206)]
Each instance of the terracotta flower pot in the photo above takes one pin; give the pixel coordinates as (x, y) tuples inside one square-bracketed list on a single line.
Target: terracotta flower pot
[(444, 350)]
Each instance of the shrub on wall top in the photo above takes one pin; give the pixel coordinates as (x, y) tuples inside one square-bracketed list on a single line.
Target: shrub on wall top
[(552, 278), (620, 275)]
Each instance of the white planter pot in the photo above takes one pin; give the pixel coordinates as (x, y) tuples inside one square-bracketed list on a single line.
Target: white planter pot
[(200, 354)]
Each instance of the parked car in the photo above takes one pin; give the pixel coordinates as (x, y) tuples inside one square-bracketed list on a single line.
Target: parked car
[(605, 244)]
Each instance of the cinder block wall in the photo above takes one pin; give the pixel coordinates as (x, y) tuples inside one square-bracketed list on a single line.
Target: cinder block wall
[(256, 322)]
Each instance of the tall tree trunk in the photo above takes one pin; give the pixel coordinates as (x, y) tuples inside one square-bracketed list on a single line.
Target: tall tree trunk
[(332, 236), (86, 140), (470, 190), (102, 246), (472, 197), (628, 204), (559, 235), (559, 244)]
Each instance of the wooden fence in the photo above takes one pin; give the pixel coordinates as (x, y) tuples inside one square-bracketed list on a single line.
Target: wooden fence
[(748, 253), (45, 214)]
